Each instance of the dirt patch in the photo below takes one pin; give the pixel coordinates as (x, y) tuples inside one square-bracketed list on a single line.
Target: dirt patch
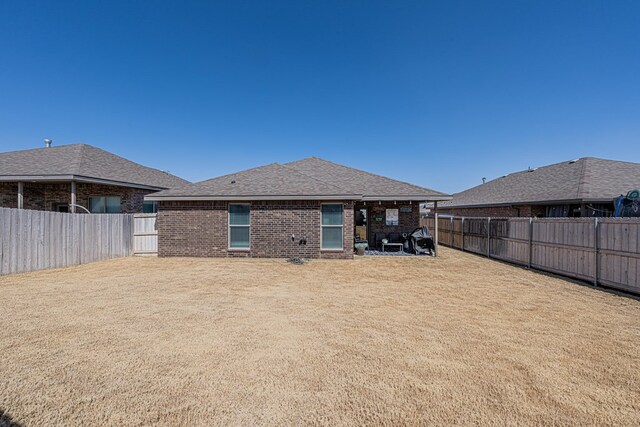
[(386, 341)]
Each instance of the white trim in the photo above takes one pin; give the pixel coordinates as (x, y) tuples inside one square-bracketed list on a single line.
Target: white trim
[(229, 225), (341, 248), (77, 178), (419, 199), (154, 198)]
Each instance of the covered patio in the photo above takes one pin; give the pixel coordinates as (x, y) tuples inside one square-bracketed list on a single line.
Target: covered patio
[(384, 227)]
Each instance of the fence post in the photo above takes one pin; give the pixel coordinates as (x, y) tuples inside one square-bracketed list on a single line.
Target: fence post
[(436, 234), (489, 237), (595, 250), (451, 232), (530, 241), (462, 231)]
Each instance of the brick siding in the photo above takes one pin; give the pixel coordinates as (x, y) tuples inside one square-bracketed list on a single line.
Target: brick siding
[(44, 196), (201, 229), (496, 211), (377, 218)]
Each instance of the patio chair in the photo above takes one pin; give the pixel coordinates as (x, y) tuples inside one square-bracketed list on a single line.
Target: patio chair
[(377, 237), (395, 238)]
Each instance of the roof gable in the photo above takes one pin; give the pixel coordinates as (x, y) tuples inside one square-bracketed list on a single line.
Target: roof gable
[(81, 160)]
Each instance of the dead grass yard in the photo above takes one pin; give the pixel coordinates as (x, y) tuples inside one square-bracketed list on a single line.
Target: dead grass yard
[(377, 341)]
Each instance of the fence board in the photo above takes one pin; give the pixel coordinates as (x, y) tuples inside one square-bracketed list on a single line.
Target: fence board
[(35, 240), (565, 246), (145, 234)]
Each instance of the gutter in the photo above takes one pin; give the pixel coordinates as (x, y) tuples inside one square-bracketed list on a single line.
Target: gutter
[(77, 178), (152, 198), (158, 198)]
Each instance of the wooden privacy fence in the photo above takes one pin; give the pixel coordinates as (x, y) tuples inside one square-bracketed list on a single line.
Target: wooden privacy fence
[(605, 251), (35, 240), (145, 234)]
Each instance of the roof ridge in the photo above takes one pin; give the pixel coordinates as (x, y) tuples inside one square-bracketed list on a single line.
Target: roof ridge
[(313, 178), (234, 173), (79, 159), (53, 147), (369, 173), (582, 181)]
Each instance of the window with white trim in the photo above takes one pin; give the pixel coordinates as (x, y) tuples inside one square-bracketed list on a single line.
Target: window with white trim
[(239, 226), (331, 227), (104, 204)]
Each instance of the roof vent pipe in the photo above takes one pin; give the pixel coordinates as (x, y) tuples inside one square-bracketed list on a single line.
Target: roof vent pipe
[(484, 180), (47, 143)]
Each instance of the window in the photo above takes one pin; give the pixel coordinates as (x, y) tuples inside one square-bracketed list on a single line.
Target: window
[(331, 233), (149, 207), (104, 204), (60, 207), (239, 226)]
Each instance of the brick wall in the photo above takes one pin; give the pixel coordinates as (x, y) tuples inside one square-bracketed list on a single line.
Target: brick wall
[(43, 197), (201, 229), (8, 195), (496, 211), (407, 221)]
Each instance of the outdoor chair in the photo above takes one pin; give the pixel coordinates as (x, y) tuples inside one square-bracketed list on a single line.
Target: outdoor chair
[(377, 237), (395, 238)]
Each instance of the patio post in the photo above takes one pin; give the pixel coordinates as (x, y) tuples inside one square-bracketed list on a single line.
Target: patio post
[(435, 240), (20, 195), (72, 207)]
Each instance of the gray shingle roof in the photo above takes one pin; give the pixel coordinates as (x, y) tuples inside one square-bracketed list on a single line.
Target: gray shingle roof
[(585, 179), (81, 160), (371, 186), (310, 178), (270, 181)]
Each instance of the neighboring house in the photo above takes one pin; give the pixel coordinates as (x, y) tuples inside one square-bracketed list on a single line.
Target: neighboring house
[(584, 187), (310, 208), (58, 178)]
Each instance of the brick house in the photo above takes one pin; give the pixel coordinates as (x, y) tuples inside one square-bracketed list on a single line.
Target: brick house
[(310, 208), (585, 187), (72, 178)]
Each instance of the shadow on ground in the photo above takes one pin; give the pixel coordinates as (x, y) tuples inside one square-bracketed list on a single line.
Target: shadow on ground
[(7, 421)]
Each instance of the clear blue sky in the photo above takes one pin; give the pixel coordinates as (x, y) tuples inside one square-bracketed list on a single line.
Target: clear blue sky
[(435, 93)]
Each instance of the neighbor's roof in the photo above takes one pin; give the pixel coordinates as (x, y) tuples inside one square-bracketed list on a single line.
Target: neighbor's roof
[(81, 162), (310, 178), (586, 179)]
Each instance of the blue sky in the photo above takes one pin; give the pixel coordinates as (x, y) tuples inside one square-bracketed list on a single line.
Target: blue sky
[(436, 93)]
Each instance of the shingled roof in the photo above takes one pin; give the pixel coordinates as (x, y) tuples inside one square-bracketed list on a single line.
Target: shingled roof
[(370, 186), (310, 178), (586, 179), (81, 162)]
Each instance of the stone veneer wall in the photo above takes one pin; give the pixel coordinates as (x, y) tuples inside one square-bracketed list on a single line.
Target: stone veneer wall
[(200, 228)]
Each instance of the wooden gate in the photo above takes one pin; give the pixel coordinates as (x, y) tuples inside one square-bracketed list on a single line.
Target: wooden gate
[(145, 235)]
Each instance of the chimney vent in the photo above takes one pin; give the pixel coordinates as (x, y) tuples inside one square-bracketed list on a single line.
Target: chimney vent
[(47, 143)]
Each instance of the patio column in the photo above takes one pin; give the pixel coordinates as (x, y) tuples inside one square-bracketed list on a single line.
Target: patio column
[(20, 195), (435, 232), (72, 206)]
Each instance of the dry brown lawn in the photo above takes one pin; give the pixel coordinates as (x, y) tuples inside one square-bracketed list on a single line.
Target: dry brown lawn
[(376, 341)]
